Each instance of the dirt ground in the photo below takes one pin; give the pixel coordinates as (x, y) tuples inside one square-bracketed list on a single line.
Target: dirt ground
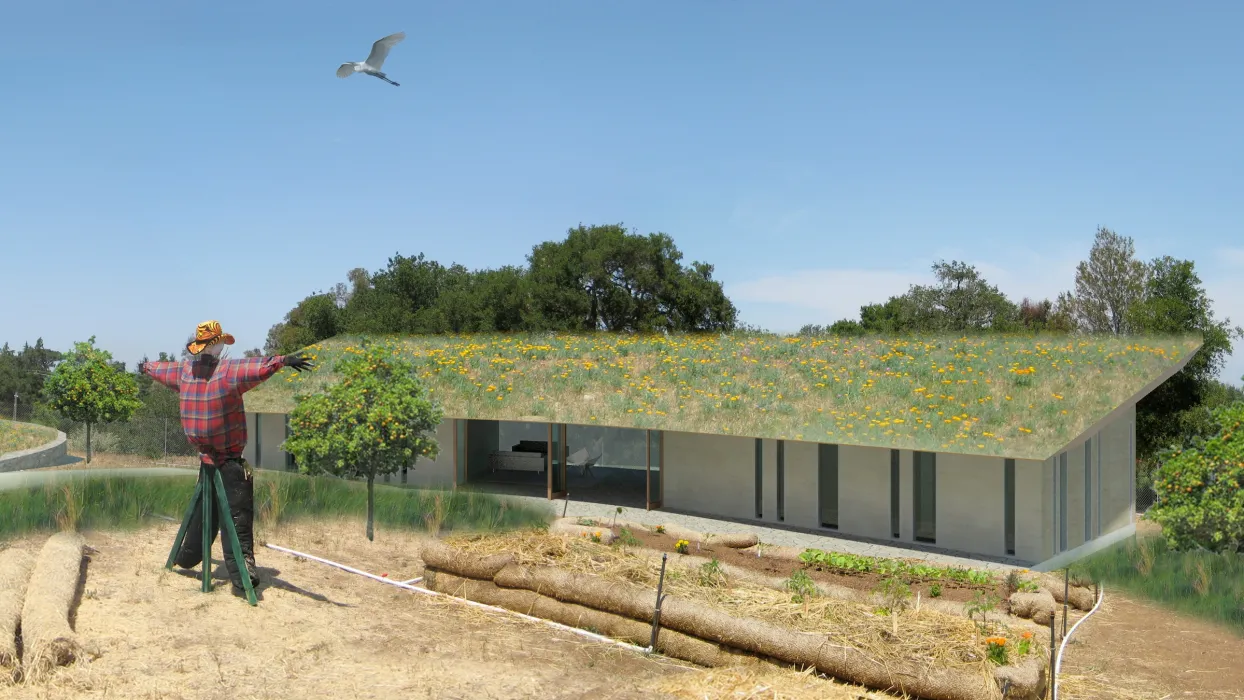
[(1133, 648), (1143, 650), (782, 568), (320, 632)]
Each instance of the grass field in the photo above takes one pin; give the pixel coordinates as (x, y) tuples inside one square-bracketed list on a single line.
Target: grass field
[(1018, 396), (126, 502), (15, 437), (1201, 584)]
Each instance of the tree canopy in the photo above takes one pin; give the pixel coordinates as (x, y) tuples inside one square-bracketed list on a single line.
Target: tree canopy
[(1114, 293), (596, 278), (376, 420), (24, 372), (89, 387)]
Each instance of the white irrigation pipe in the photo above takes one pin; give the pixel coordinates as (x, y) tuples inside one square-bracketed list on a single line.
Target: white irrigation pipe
[(425, 591), (1058, 660)]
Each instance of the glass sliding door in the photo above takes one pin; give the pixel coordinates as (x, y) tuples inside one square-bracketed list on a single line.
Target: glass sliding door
[(656, 454), (827, 484), (924, 496)]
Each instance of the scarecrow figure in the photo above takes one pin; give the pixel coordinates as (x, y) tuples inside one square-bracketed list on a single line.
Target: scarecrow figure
[(214, 418)]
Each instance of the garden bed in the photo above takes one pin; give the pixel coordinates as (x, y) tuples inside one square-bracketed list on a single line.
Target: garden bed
[(865, 574), (720, 618)]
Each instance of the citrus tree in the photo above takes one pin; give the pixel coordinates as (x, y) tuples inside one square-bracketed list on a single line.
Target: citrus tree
[(89, 387), (1200, 500), (375, 420)]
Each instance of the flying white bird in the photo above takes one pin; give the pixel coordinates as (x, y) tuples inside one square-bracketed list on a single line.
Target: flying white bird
[(375, 60)]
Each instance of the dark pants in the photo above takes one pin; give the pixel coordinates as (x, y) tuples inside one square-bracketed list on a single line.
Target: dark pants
[(240, 492)]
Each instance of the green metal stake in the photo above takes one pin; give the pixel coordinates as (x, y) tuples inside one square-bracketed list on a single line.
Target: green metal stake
[(209, 514), (231, 532), (211, 492), (185, 522)]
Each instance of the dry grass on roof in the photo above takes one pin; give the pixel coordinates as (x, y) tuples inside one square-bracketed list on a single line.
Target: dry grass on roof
[(1012, 395)]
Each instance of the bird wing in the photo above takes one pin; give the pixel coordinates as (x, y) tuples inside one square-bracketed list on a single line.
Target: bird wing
[(346, 70), (380, 49)]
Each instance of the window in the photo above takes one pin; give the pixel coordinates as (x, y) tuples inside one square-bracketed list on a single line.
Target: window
[(460, 450), (1088, 490), (894, 494), (827, 484), (924, 496), (760, 478), (781, 480), (1008, 504), (1097, 506), (1062, 502)]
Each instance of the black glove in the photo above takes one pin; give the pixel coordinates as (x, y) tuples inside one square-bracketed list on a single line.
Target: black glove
[(299, 362)]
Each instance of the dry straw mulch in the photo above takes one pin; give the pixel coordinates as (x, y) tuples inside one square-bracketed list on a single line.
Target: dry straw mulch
[(47, 639), (15, 566), (836, 634)]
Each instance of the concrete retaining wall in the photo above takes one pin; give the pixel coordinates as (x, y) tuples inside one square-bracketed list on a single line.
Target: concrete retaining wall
[(43, 456)]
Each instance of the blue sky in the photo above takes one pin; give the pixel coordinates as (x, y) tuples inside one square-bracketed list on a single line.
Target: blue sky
[(164, 163)]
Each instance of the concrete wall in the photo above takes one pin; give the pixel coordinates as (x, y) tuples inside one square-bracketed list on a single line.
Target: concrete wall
[(248, 452), (970, 514), (1110, 493), (1031, 509), (1117, 473), (710, 474), (1049, 511), (803, 507), (439, 472), (906, 518), (864, 491), (46, 455), (1075, 495), (267, 440)]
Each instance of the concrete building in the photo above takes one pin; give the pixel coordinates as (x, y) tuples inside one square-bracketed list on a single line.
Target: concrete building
[(1039, 512), (1042, 505)]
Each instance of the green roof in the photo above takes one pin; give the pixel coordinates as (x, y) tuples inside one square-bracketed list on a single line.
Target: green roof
[(1018, 396)]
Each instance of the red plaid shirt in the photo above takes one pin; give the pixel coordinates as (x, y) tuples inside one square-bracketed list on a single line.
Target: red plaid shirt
[(212, 412)]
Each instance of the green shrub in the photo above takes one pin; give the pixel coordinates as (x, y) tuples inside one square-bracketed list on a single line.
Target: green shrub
[(1200, 500)]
